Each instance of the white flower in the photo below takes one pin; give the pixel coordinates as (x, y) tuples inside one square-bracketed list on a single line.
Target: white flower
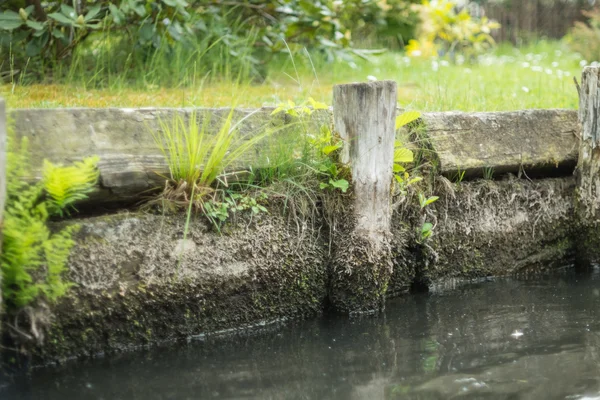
[(554, 64), (444, 63), (371, 78), (525, 64), (435, 65), (525, 89), (548, 71), (537, 68), (583, 63)]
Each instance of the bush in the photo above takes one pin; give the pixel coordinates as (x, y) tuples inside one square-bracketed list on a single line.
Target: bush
[(103, 37), (446, 30), (391, 23)]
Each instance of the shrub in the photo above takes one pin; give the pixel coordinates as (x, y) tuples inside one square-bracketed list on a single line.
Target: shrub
[(391, 23), (113, 36), (447, 31)]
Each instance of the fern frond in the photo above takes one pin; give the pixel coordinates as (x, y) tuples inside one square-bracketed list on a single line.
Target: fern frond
[(67, 185)]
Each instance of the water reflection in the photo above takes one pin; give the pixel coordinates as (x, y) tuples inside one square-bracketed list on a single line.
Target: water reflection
[(455, 344)]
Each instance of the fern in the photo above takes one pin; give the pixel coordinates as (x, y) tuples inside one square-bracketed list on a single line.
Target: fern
[(67, 185), (33, 258)]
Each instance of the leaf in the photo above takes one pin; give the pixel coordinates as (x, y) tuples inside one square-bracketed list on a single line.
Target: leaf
[(92, 12), (35, 25), (425, 202), (9, 16), (330, 149), (117, 14), (403, 155), (398, 168), (278, 110), (146, 32), (33, 48), (68, 11), (57, 33), (341, 184), (406, 118), (323, 185), (317, 105), (414, 180), (9, 25), (61, 18), (426, 230)]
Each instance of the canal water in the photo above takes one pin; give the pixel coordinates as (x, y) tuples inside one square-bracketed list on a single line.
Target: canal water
[(501, 339)]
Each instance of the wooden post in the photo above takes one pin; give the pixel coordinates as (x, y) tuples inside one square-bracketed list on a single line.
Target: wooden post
[(588, 167), (364, 116)]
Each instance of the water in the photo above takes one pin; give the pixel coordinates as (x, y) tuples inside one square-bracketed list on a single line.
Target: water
[(506, 339)]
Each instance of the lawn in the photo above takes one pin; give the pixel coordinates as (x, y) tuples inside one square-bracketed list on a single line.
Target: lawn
[(538, 76)]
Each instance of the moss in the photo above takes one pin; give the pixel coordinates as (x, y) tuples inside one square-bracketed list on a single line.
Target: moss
[(134, 289), (496, 228)]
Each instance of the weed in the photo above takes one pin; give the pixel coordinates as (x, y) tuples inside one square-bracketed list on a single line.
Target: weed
[(488, 173), (196, 157)]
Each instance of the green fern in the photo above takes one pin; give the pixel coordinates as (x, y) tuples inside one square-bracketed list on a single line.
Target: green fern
[(33, 258), (67, 185)]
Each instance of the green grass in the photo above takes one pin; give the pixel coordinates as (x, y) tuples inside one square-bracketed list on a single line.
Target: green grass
[(537, 76)]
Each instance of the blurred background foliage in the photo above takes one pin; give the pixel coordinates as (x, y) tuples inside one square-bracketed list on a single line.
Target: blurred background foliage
[(180, 42)]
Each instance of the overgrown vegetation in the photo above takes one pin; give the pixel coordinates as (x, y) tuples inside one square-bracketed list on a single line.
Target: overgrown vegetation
[(208, 36), (34, 256)]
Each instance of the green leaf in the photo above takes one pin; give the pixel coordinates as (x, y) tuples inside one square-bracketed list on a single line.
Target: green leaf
[(9, 25), (330, 149), (146, 32), (403, 155), (426, 230), (68, 11), (278, 110), (35, 25), (341, 184), (33, 48), (117, 14), (92, 12), (9, 16), (317, 105), (406, 118), (414, 180), (323, 185), (399, 168), (60, 18), (57, 33), (426, 201)]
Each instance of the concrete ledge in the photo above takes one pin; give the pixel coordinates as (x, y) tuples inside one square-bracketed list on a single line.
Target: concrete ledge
[(131, 164), (504, 141)]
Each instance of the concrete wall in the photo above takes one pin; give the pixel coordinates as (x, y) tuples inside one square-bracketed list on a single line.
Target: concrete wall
[(139, 281), (131, 164)]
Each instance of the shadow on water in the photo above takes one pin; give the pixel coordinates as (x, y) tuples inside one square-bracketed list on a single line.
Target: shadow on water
[(506, 339)]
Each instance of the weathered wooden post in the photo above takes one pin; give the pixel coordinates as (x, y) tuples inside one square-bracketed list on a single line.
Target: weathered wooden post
[(364, 116), (588, 167)]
